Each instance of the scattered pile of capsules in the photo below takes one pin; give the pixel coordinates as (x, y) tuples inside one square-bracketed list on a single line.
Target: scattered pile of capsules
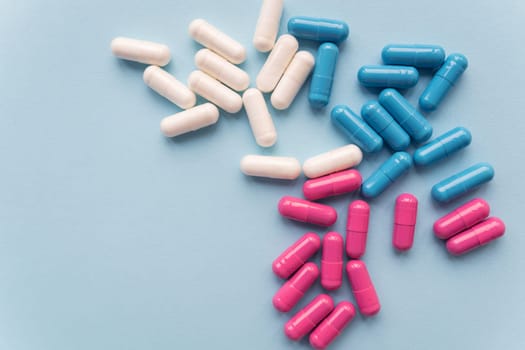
[(390, 120)]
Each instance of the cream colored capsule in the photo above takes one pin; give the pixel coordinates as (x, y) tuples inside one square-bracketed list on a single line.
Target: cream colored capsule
[(189, 120), (292, 80), (219, 68), (212, 90), (141, 51), (286, 168), (267, 25), (276, 63), (259, 117), (215, 40), (169, 87), (335, 160)]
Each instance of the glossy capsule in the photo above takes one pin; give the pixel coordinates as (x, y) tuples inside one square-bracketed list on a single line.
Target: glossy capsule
[(142, 51), (462, 182), (461, 218), (305, 211), (273, 167), (267, 24), (405, 216), (332, 185), (332, 161), (309, 317), (276, 63), (382, 122), (330, 328), (398, 77), (318, 29), (357, 228), (386, 174), (356, 129), (443, 146), (259, 117), (323, 75), (415, 55), (296, 255), (476, 236), (364, 291), (294, 289), (332, 261)]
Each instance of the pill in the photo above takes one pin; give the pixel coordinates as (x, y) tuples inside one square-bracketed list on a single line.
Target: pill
[(462, 182), (222, 70), (267, 24), (318, 29), (406, 115), (415, 55), (259, 117), (332, 185), (286, 168), (356, 129), (442, 81), (189, 120), (309, 317), (169, 87), (332, 261), (476, 236), (382, 122), (386, 174), (141, 51), (323, 75), (377, 76), (306, 211), (330, 328), (212, 38), (405, 215), (461, 218), (332, 161), (296, 255), (276, 63), (294, 289), (212, 90), (357, 228), (443, 146), (292, 80), (364, 291)]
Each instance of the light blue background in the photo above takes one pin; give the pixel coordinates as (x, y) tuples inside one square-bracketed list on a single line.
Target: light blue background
[(114, 237)]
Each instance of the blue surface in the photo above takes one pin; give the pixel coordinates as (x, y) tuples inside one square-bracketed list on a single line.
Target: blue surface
[(114, 237)]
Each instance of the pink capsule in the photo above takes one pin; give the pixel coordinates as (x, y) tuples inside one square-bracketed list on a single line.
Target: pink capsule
[(476, 236), (405, 215), (461, 218), (362, 287), (332, 261), (309, 317), (305, 211), (293, 290), (332, 185), (296, 255), (357, 228), (332, 325)]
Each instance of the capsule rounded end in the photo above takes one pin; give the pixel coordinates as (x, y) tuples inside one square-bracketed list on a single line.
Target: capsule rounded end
[(387, 94), (267, 140), (317, 101), (262, 44), (148, 74), (195, 25), (426, 104), (459, 59)]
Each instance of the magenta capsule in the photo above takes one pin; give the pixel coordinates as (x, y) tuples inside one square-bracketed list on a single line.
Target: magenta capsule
[(357, 228), (309, 317), (405, 215), (296, 255), (476, 236), (332, 185), (332, 325), (293, 290), (461, 218), (332, 261), (362, 287), (305, 211)]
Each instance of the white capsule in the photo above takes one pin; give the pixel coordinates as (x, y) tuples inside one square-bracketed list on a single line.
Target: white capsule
[(292, 80), (215, 40), (212, 90), (219, 68), (141, 51), (259, 117), (189, 120), (169, 87), (285, 168), (332, 161), (267, 25), (276, 63)]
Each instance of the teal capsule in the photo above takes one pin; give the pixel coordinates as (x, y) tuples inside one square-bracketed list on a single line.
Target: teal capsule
[(388, 172), (376, 76), (415, 55), (318, 29), (323, 75), (356, 129), (462, 182), (443, 146), (383, 123)]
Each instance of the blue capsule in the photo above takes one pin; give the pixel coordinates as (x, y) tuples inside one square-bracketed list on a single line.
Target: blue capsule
[(462, 182), (318, 29), (443, 146), (415, 55), (323, 75), (356, 128), (400, 77), (388, 172), (442, 81), (383, 123), (406, 115)]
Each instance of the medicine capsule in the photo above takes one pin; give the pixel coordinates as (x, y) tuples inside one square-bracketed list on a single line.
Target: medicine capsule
[(476, 236), (406, 115), (323, 75), (332, 161), (267, 24), (212, 90), (405, 215), (215, 40), (332, 261), (169, 87), (332, 185), (383, 123), (356, 129), (399, 77), (259, 117), (330, 328), (357, 228), (442, 81), (364, 292), (462, 182), (286, 168), (388, 172), (222, 70), (443, 146), (141, 51), (318, 29), (294, 289), (296, 255), (189, 120), (461, 218), (305, 211), (276, 63), (309, 317), (415, 55)]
